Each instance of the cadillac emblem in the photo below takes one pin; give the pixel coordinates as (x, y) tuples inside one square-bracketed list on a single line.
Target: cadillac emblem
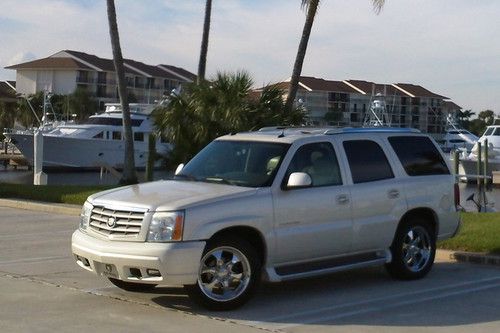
[(111, 222)]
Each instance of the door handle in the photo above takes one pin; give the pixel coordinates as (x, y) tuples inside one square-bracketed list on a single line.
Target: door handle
[(342, 199), (393, 194)]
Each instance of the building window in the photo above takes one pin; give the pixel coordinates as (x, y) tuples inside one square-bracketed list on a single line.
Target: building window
[(354, 117), (117, 135), (138, 136)]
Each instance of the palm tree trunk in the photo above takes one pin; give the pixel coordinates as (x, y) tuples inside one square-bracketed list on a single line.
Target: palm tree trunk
[(312, 8), (204, 42), (128, 176)]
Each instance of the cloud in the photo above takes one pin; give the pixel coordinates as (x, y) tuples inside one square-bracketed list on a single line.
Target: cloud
[(447, 46)]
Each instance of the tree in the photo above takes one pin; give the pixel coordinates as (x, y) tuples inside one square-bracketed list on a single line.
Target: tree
[(81, 103), (129, 175), (204, 42), (7, 116), (488, 116), (223, 105), (311, 7)]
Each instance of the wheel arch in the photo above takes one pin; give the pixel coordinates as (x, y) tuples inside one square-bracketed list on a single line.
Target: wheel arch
[(425, 213), (247, 233)]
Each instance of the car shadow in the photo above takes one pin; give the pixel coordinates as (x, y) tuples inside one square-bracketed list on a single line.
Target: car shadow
[(358, 297)]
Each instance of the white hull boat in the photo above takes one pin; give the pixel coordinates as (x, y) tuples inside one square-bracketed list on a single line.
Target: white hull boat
[(98, 143)]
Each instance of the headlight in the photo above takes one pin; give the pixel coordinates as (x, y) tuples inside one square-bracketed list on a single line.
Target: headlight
[(85, 215), (166, 226)]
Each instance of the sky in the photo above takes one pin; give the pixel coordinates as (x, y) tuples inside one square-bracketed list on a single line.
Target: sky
[(450, 47)]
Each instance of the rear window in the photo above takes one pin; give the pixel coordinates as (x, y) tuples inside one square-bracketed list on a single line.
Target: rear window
[(418, 155)]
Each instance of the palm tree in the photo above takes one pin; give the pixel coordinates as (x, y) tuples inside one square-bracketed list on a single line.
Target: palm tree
[(204, 42), (128, 176), (209, 109), (311, 7)]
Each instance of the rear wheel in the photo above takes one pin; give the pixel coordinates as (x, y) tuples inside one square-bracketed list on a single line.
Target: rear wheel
[(228, 274), (130, 286), (413, 250)]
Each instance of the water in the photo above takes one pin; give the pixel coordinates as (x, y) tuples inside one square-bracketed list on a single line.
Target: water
[(12, 176)]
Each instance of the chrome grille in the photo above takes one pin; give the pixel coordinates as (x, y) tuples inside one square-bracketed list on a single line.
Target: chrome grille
[(125, 223)]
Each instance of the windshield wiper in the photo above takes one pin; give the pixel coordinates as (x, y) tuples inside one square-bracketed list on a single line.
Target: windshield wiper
[(184, 176), (218, 180)]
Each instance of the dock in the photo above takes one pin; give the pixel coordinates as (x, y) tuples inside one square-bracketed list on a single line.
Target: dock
[(14, 160)]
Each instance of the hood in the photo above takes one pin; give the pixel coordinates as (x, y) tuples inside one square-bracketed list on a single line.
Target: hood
[(168, 195)]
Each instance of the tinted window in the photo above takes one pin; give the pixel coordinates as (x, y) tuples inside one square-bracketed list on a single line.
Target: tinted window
[(117, 135), (112, 121), (367, 161), (319, 161), (418, 155)]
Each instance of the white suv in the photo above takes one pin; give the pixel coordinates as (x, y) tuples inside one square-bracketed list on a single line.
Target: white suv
[(280, 204)]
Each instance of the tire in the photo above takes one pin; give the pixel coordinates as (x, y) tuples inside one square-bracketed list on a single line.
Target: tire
[(131, 286), (413, 250), (229, 273)]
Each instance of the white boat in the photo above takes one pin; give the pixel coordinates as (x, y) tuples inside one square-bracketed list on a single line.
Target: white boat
[(458, 138), (97, 143), (469, 161)]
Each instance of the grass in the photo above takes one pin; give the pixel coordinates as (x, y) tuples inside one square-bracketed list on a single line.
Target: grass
[(479, 233), (50, 193)]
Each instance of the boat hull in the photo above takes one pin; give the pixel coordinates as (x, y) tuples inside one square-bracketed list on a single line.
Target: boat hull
[(80, 153)]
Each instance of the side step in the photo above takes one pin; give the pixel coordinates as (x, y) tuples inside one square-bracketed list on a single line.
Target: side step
[(320, 267)]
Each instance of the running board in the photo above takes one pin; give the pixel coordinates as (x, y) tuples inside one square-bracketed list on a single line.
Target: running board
[(338, 264)]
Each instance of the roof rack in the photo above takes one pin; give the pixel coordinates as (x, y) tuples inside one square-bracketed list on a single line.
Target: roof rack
[(372, 130)]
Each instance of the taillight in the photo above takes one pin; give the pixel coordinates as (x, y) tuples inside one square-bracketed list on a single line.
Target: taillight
[(457, 195)]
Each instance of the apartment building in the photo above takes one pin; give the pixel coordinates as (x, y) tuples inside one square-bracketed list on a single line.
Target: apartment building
[(348, 102), (67, 70)]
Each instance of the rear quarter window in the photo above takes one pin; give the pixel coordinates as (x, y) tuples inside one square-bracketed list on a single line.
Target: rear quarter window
[(419, 156)]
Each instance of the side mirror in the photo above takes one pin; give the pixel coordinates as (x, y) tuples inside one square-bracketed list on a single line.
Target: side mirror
[(299, 180), (179, 168)]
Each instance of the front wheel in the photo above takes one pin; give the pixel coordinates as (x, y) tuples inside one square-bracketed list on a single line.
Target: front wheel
[(413, 250), (130, 286), (228, 274)]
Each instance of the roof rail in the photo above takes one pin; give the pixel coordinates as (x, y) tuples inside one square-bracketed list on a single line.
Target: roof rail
[(371, 130)]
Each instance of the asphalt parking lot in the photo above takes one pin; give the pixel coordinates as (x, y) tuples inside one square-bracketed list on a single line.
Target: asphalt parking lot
[(42, 290)]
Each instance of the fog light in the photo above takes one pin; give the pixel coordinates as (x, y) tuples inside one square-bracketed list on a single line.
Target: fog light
[(153, 272), (136, 272), (83, 260)]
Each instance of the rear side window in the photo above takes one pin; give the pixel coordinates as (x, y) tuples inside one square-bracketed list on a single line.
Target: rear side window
[(367, 161), (418, 155)]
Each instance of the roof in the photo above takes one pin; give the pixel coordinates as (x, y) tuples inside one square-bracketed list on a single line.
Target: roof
[(70, 59), (451, 105), (311, 83), (418, 91), (291, 134), (52, 63), (372, 88)]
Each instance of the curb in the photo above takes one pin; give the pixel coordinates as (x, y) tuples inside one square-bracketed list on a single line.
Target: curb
[(42, 206), (476, 258)]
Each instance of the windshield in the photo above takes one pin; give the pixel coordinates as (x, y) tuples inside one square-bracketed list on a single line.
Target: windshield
[(242, 163)]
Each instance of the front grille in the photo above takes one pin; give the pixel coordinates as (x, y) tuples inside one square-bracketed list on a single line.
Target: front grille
[(112, 222)]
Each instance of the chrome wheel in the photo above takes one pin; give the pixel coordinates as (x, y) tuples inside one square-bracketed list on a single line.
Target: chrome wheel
[(417, 248), (224, 274)]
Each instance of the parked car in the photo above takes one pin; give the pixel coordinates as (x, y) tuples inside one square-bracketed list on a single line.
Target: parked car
[(277, 204)]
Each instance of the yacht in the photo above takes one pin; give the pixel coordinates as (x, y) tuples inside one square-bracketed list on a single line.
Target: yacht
[(458, 138), (469, 161), (95, 144)]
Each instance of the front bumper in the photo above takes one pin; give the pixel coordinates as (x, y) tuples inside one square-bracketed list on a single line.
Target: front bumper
[(155, 263)]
